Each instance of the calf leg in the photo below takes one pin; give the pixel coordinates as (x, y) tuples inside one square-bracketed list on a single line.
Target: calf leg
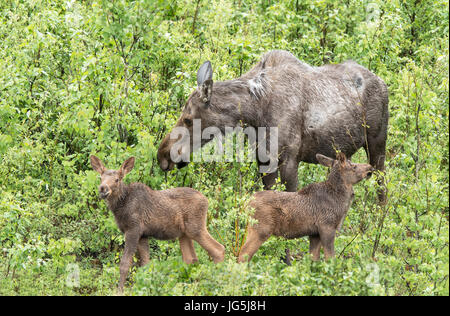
[(131, 243), (214, 249), (192, 250), (187, 251), (327, 234), (144, 254), (251, 246), (314, 247)]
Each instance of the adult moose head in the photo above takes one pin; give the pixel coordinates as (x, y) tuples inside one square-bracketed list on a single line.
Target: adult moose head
[(196, 107), (213, 105), (316, 109)]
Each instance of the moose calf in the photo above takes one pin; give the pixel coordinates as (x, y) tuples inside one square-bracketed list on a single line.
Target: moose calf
[(141, 212), (317, 210)]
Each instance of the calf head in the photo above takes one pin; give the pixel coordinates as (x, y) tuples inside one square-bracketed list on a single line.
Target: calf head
[(111, 180), (350, 173)]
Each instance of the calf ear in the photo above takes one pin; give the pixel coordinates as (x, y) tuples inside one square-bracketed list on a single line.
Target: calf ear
[(126, 167), (324, 160), (97, 164), (205, 82)]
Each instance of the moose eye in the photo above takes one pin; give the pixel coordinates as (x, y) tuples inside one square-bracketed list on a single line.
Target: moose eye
[(117, 180), (187, 121)]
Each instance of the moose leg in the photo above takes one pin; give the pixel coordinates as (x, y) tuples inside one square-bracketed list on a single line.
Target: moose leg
[(251, 246), (377, 154), (143, 250), (289, 177), (327, 234), (214, 249), (289, 174), (131, 242), (314, 247), (192, 250), (269, 180), (186, 252), (267, 164)]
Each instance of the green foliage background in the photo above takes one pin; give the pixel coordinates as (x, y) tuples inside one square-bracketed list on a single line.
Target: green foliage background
[(110, 78)]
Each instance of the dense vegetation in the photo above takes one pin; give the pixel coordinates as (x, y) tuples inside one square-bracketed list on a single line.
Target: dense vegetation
[(110, 78)]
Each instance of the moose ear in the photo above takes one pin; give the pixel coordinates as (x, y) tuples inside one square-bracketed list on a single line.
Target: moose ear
[(324, 160), (204, 73), (127, 166), (205, 82), (97, 165)]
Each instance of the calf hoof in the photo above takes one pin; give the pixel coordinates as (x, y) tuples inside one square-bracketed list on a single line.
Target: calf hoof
[(287, 257), (221, 256)]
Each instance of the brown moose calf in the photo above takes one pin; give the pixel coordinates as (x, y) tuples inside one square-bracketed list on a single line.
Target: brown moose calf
[(141, 212), (317, 210)]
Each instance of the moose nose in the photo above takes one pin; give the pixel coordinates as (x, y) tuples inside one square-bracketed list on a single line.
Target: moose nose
[(164, 164), (103, 191)]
